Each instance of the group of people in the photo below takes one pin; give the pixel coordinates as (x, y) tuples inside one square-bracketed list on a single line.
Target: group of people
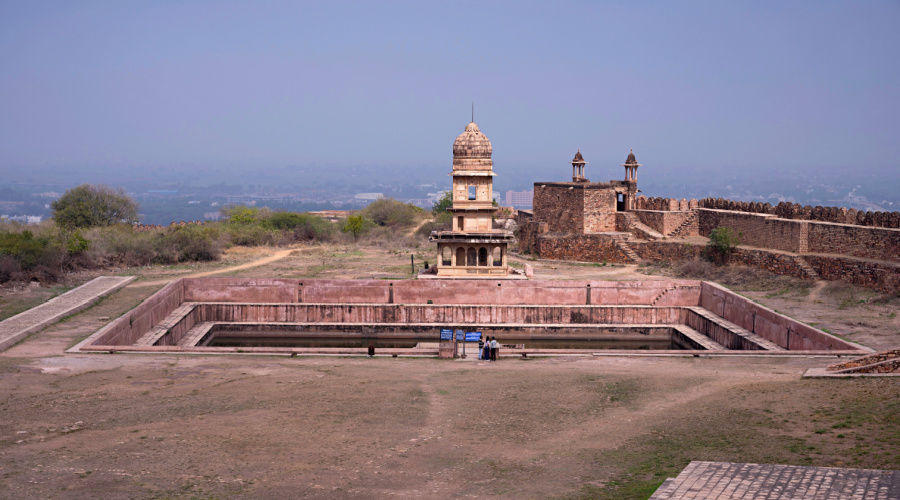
[(487, 348)]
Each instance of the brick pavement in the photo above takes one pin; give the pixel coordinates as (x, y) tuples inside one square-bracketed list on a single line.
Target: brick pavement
[(726, 480), (23, 324)]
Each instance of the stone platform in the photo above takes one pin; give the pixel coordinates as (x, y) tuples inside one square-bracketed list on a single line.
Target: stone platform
[(23, 324), (726, 480)]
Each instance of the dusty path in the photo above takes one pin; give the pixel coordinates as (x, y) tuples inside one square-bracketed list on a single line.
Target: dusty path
[(260, 262), (815, 294)]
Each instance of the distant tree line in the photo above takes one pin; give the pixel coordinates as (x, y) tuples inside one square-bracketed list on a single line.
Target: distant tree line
[(93, 227)]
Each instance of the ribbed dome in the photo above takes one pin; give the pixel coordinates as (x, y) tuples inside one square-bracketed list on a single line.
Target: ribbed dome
[(578, 158), (472, 144), (631, 159)]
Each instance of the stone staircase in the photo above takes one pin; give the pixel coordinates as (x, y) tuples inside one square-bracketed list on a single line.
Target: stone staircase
[(686, 225), (623, 246), (670, 289), (638, 228), (808, 271), (157, 332)]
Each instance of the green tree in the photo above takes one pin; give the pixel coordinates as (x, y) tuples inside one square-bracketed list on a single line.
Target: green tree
[(356, 224), (722, 243), (94, 205), (392, 213), (443, 205)]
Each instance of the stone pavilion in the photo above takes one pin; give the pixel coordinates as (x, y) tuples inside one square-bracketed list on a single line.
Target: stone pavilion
[(472, 248)]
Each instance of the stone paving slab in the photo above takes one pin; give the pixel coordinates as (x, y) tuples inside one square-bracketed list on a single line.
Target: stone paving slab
[(726, 480), (25, 323)]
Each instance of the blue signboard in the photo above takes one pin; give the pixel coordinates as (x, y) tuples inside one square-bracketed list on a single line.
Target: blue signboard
[(460, 335), (473, 336), (446, 334)]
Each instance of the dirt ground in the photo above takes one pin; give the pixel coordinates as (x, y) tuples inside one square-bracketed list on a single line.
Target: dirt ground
[(240, 426)]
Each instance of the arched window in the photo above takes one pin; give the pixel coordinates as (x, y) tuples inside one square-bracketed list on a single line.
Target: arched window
[(497, 257), (472, 259), (482, 256), (445, 256), (460, 256)]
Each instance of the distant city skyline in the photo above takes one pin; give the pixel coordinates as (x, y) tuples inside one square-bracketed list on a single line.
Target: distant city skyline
[(712, 86)]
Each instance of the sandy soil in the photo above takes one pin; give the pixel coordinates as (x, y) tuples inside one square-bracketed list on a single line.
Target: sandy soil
[(150, 426)]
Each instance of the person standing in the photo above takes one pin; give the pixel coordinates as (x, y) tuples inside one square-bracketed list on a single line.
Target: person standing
[(493, 348), (481, 347)]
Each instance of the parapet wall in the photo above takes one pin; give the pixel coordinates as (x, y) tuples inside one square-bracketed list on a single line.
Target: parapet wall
[(439, 292), (867, 242), (766, 323), (128, 328), (666, 222), (757, 230), (784, 210), (800, 236)]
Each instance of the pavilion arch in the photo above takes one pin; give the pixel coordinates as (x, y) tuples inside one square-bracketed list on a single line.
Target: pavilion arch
[(460, 256), (482, 256), (446, 254), (472, 257), (497, 257)]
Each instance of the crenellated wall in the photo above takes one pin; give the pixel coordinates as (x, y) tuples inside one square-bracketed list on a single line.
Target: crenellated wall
[(858, 241), (757, 230)]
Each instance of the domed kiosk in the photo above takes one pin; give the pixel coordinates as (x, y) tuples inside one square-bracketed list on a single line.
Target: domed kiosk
[(473, 248)]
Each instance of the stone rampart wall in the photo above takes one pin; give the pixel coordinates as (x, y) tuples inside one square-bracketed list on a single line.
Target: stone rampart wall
[(877, 275), (599, 210), (128, 328), (664, 204), (580, 247), (867, 242), (758, 230), (795, 211), (664, 222), (562, 209)]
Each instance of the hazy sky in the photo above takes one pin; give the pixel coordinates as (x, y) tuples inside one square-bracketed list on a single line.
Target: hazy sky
[(714, 85)]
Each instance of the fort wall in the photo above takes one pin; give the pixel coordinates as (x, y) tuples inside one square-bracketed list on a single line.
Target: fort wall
[(599, 210), (859, 241), (757, 230), (562, 208), (664, 222), (579, 247)]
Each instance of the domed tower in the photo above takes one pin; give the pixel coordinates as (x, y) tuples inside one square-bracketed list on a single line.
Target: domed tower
[(472, 248), (631, 165), (578, 164)]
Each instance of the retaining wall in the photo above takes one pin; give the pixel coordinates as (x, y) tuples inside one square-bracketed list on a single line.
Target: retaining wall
[(500, 292), (766, 323), (439, 314), (859, 241), (662, 221), (128, 328), (757, 230)]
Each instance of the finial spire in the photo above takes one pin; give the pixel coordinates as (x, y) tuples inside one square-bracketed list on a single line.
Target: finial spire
[(473, 111)]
